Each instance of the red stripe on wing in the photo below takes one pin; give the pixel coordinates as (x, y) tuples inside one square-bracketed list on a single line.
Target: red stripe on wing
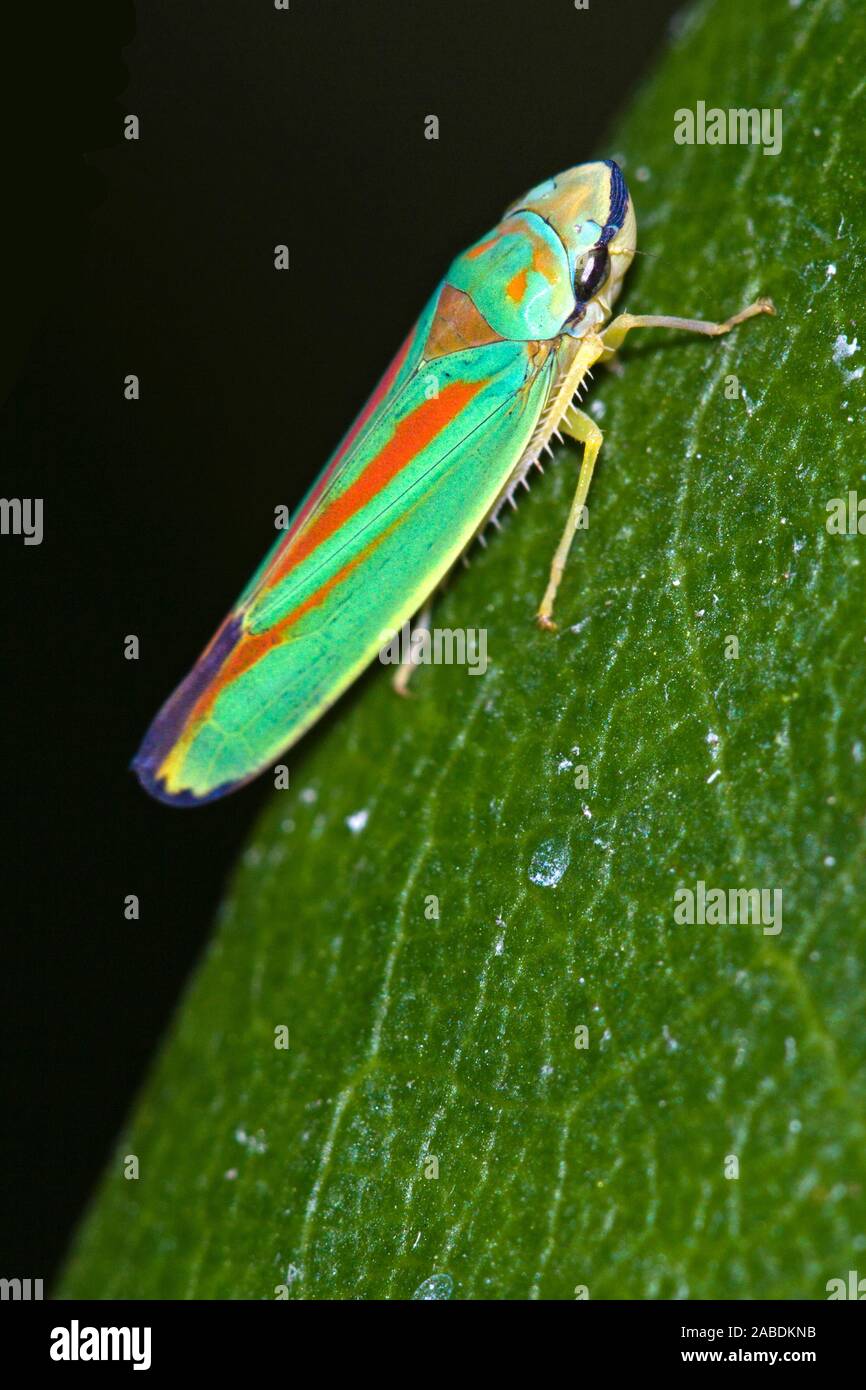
[(372, 405), (251, 647), (413, 434)]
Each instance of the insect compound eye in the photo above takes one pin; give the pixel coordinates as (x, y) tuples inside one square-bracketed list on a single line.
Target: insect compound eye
[(591, 271)]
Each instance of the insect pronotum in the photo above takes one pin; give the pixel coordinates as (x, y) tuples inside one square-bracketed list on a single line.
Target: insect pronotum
[(505, 343)]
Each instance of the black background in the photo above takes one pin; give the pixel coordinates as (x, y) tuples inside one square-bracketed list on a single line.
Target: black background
[(155, 257)]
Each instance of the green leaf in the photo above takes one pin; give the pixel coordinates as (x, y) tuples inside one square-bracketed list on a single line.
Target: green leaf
[(414, 1037)]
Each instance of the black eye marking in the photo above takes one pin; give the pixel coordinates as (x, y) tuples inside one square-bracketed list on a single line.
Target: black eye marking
[(591, 272)]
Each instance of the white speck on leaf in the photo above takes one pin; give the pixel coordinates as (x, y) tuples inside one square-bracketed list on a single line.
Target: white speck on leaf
[(549, 863), (437, 1288), (253, 1143), (842, 349)]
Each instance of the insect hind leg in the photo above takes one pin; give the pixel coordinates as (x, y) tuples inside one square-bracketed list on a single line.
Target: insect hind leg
[(402, 676)]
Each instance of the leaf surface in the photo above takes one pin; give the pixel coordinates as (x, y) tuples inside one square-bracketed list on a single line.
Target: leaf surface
[(711, 1048)]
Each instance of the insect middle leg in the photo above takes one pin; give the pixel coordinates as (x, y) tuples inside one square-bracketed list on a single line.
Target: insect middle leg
[(578, 425), (584, 430)]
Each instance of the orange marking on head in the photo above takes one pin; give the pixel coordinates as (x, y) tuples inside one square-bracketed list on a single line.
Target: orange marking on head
[(516, 287), (540, 254)]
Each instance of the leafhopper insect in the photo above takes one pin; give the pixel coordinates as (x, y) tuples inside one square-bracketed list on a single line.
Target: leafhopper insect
[(486, 378)]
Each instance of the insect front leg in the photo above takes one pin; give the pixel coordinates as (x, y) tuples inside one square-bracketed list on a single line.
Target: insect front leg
[(578, 425), (616, 331)]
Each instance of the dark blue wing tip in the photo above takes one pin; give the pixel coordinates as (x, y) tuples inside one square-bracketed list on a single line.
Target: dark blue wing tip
[(169, 723)]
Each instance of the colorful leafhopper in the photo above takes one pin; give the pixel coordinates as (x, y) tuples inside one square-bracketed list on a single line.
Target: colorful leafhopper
[(487, 377)]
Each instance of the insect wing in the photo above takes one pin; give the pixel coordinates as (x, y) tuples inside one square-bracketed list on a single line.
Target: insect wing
[(400, 500)]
